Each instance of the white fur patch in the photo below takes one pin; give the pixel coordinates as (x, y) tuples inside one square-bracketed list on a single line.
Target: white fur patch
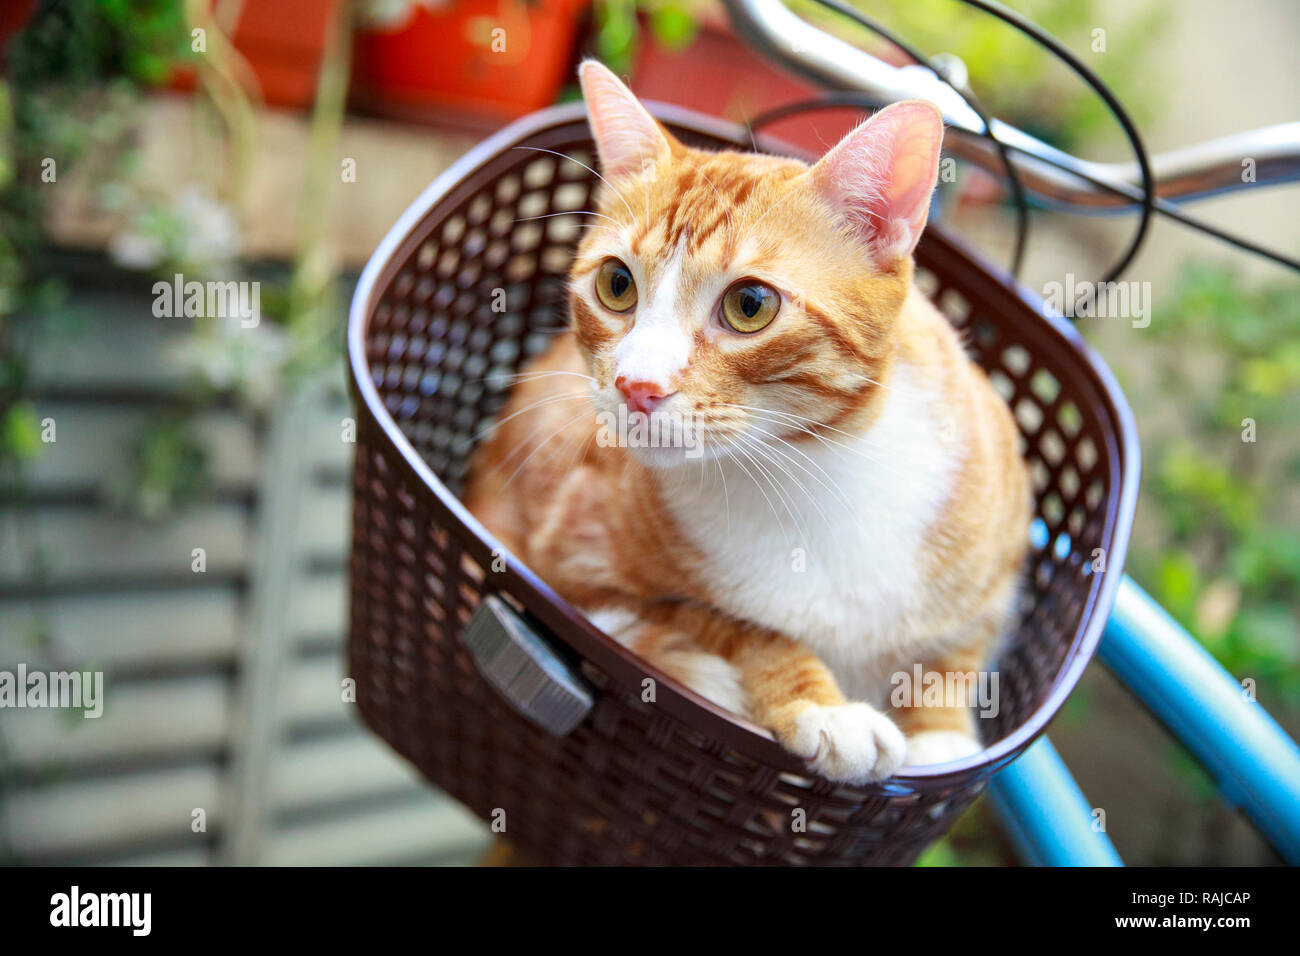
[(854, 743), (939, 746), (658, 345), (833, 560), (707, 674)]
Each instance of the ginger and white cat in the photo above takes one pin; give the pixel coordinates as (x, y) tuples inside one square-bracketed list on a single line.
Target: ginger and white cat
[(846, 498)]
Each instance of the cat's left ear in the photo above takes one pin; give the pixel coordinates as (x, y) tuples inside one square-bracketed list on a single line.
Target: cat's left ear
[(628, 138), (881, 175)]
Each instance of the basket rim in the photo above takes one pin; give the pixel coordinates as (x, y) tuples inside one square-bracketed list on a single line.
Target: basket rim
[(555, 613)]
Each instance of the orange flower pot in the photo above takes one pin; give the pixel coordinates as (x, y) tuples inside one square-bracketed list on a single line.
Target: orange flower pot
[(482, 61), (13, 17), (284, 44)]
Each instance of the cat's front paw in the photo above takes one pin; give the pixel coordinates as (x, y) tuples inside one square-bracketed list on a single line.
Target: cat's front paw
[(939, 746), (851, 743)]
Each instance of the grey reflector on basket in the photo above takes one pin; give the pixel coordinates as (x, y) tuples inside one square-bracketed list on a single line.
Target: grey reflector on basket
[(522, 667)]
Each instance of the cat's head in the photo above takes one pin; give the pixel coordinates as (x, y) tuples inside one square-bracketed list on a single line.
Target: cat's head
[(747, 296)]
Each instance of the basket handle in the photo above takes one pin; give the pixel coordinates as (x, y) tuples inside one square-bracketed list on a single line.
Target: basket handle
[(521, 664)]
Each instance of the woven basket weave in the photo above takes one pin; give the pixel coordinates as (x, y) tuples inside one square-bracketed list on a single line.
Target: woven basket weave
[(680, 780)]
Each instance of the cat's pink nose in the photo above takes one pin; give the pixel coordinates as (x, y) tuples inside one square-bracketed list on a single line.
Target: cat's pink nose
[(641, 396)]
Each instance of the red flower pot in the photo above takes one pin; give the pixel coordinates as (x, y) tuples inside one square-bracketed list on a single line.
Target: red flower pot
[(284, 44), (13, 17), (475, 60)]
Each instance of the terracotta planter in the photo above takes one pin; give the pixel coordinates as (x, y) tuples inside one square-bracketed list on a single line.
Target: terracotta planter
[(13, 17), (482, 61), (284, 43)]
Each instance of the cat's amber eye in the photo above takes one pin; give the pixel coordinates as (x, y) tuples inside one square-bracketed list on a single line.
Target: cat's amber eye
[(615, 287), (749, 306)]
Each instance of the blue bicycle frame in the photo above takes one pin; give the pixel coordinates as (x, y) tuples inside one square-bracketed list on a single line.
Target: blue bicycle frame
[(1255, 764)]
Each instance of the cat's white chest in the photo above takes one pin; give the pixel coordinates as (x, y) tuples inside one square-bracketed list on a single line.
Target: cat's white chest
[(826, 543)]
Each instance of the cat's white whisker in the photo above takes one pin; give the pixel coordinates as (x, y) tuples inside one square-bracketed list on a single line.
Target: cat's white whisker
[(757, 484), (765, 452), (571, 212), (726, 497), (622, 198), (540, 445), (778, 489), (836, 491), (829, 442), (540, 403)]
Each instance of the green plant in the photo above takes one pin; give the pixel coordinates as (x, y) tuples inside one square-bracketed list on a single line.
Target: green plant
[(1225, 558), (673, 23), (1014, 78), (76, 76)]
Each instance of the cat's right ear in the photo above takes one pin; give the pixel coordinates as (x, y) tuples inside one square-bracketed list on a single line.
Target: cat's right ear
[(880, 176), (628, 139)]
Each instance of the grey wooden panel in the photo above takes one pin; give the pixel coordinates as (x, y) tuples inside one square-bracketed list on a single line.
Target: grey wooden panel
[(336, 769), (425, 829), (259, 728), (325, 526), (198, 856), (147, 628), (189, 716), (313, 692), (120, 344), (318, 606), (82, 543), (323, 439), (94, 441), (87, 816)]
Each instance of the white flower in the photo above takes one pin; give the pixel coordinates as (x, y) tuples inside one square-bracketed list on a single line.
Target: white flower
[(210, 231), (135, 250), (391, 15)]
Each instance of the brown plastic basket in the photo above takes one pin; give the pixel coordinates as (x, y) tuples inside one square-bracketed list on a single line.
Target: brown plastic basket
[(679, 780)]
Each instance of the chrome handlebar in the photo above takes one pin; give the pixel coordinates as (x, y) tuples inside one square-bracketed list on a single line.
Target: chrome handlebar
[(1270, 155)]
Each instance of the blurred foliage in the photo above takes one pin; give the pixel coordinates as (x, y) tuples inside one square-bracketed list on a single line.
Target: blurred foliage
[(1226, 557), (74, 78), (168, 469), (70, 85), (78, 42), (1021, 82), (672, 23), (975, 840), (1015, 79)]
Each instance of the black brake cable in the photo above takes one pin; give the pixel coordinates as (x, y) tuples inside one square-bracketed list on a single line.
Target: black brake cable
[(1044, 39), (846, 98), (1150, 202)]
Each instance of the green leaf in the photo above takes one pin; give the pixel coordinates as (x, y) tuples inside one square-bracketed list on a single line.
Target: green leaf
[(938, 854), (1268, 634), (21, 431), (674, 26)]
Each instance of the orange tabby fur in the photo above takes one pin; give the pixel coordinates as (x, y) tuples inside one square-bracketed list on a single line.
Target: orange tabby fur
[(626, 536)]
